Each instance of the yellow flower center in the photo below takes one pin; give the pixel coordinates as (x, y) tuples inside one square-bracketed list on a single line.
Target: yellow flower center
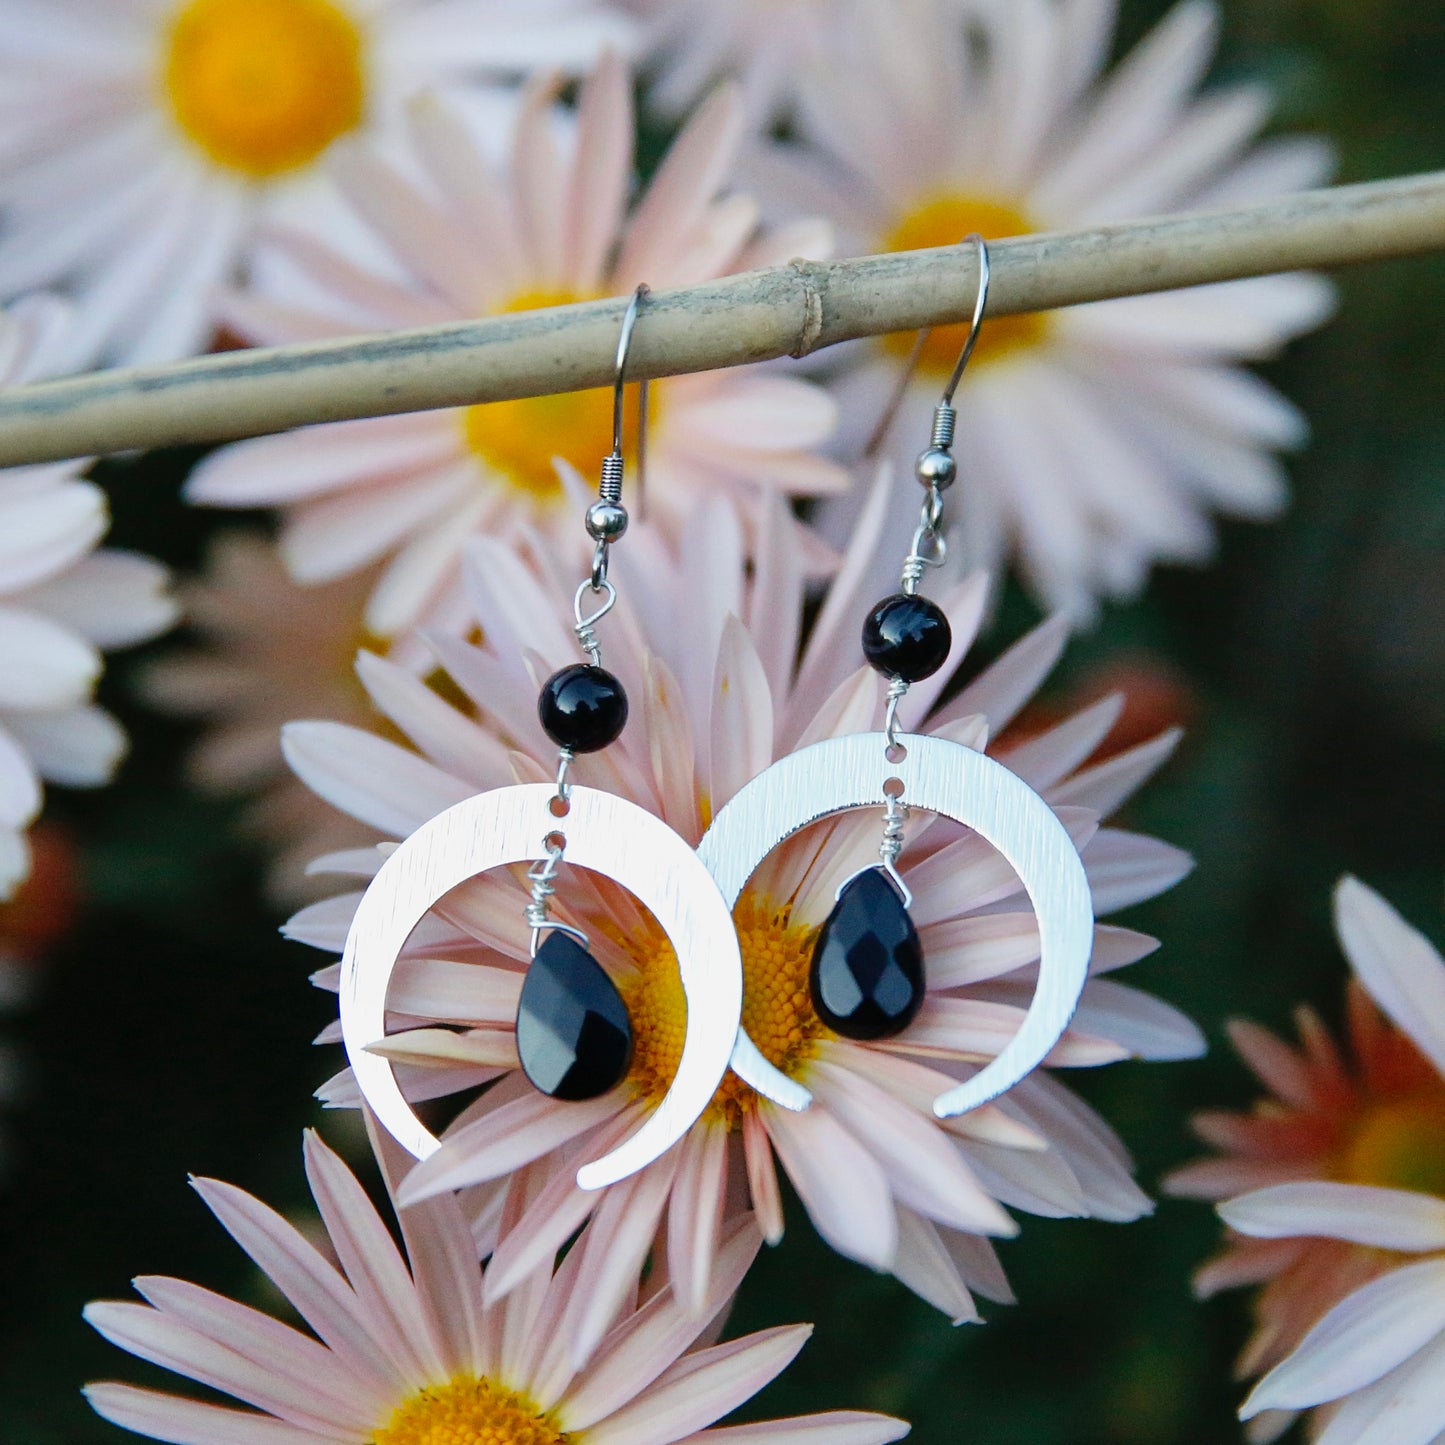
[(1400, 1145), (777, 1007), (518, 439), (945, 220), (468, 1411), (264, 86)]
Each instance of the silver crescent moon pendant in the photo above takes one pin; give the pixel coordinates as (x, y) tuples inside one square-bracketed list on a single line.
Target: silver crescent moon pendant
[(606, 834), (938, 776)]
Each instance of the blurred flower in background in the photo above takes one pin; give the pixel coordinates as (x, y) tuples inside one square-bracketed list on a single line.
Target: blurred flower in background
[(556, 227), (710, 656), (1334, 1189), (761, 43), (61, 604), (1098, 439), (269, 651), (141, 141), (407, 1349)]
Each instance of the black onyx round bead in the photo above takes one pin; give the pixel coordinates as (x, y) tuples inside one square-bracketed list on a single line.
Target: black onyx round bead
[(582, 708), (907, 637)]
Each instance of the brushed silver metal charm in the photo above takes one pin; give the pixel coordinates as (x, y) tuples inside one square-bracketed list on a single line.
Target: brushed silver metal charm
[(605, 833), (839, 775)]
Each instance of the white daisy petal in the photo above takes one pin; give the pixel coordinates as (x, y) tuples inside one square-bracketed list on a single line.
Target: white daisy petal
[(375, 781), (323, 924), (839, 1427), (112, 599), (45, 532), (701, 1388), (924, 1264), (1404, 1408), (187, 1422), (148, 1333), (311, 1283), (438, 730), (1383, 1218), (1147, 1026), (1398, 965), (926, 1171), (1125, 868), (618, 1241), (43, 665), (276, 1348), (695, 1215), (501, 1141), (79, 747), (843, 1189), (1362, 1338)]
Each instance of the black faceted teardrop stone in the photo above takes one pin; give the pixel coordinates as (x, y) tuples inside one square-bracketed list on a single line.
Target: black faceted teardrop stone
[(573, 1034), (867, 972)]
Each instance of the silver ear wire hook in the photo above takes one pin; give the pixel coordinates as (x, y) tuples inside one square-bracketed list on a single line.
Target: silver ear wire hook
[(906, 372), (936, 468), (975, 325), (624, 349), (607, 517)]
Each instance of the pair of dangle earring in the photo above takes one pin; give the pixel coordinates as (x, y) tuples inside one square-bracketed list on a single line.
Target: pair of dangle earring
[(867, 976), (868, 973), (574, 1038)]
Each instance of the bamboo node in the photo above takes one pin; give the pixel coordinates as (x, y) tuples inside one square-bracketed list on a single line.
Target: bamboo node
[(808, 273)]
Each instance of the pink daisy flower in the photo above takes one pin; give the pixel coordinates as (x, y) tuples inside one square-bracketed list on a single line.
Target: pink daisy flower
[(269, 649), (709, 653), (404, 1348), (1097, 439), (1334, 1191), (466, 240), (62, 604), (144, 142)]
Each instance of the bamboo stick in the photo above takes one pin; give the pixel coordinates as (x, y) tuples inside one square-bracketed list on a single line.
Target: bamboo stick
[(759, 315)]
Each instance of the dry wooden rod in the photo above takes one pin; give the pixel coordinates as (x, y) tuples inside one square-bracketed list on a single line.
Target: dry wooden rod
[(756, 316)]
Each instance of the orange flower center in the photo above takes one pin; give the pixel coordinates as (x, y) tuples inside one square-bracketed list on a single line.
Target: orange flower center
[(265, 86), (468, 1411), (518, 439), (777, 1007), (944, 220), (1400, 1144)]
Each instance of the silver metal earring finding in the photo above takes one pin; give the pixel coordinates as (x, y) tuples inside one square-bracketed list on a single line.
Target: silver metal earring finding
[(573, 1034), (906, 637)]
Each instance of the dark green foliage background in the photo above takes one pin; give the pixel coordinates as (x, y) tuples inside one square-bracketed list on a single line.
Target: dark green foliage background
[(172, 1030)]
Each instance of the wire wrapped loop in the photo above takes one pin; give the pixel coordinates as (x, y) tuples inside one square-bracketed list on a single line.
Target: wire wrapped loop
[(585, 625)]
